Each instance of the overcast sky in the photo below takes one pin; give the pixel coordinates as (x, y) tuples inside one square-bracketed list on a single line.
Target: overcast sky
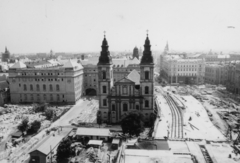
[(77, 25)]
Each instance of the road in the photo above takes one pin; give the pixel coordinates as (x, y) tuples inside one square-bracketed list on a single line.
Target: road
[(85, 110)]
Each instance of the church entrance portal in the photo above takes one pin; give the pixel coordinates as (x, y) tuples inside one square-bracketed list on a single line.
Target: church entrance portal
[(91, 92)]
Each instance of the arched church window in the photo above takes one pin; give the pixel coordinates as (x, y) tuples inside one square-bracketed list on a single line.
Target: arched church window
[(146, 103), (104, 74), (104, 102), (146, 75), (113, 107), (104, 89), (146, 90), (125, 107), (137, 107)]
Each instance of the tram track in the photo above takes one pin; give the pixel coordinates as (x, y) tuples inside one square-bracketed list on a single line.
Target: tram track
[(177, 119)]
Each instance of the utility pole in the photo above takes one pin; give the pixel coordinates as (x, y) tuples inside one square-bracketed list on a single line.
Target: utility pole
[(171, 74), (50, 154)]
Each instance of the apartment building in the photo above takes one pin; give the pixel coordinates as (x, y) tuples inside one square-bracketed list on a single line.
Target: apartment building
[(178, 69), (216, 73), (46, 81)]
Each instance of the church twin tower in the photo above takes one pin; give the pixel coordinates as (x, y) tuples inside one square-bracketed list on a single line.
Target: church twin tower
[(129, 94)]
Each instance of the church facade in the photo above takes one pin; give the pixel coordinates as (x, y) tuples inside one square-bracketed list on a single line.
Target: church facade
[(134, 92)]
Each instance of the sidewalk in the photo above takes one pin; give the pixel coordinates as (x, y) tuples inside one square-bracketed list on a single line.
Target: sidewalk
[(164, 125)]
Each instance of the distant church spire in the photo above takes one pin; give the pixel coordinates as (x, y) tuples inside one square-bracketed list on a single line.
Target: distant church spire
[(6, 50), (135, 53), (166, 49), (147, 57), (105, 57)]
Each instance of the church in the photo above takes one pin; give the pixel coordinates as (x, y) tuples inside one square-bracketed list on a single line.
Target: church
[(133, 92)]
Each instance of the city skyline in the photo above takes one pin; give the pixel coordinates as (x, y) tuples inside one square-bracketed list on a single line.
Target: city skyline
[(77, 26)]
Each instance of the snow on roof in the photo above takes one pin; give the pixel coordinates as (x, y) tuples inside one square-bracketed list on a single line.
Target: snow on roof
[(90, 61), (93, 131), (134, 76), (72, 64), (140, 156), (223, 56), (95, 142), (19, 65), (115, 141), (45, 146), (120, 62), (134, 61)]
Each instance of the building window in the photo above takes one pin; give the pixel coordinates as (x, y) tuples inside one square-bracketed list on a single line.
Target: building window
[(146, 90), (38, 97), (137, 107), (44, 87), (58, 97), (104, 89), (124, 89), (44, 97), (38, 88), (51, 97), (104, 102), (32, 97), (50, 87), (146, 103), (57, 87), (146, 75), (104, 74), (113, 107), (31, 87), (24, 87), (25, 97), (125, 107)]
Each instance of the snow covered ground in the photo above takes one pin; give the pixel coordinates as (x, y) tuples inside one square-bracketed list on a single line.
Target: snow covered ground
[(199, 126), (165, 117)]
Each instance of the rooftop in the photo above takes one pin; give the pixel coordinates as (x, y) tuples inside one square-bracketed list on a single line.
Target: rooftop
[(95, 142), (134, 76), (93, 131), (18, 65), (153, 156), (150, 145), (72, 64), (49, 143)]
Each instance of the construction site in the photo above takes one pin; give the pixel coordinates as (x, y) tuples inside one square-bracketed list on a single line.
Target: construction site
[(202, 118)]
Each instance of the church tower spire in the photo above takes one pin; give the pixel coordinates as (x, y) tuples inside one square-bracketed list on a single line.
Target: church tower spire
[(147, 79), (105, 58), (147, 57), (105, 81)]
